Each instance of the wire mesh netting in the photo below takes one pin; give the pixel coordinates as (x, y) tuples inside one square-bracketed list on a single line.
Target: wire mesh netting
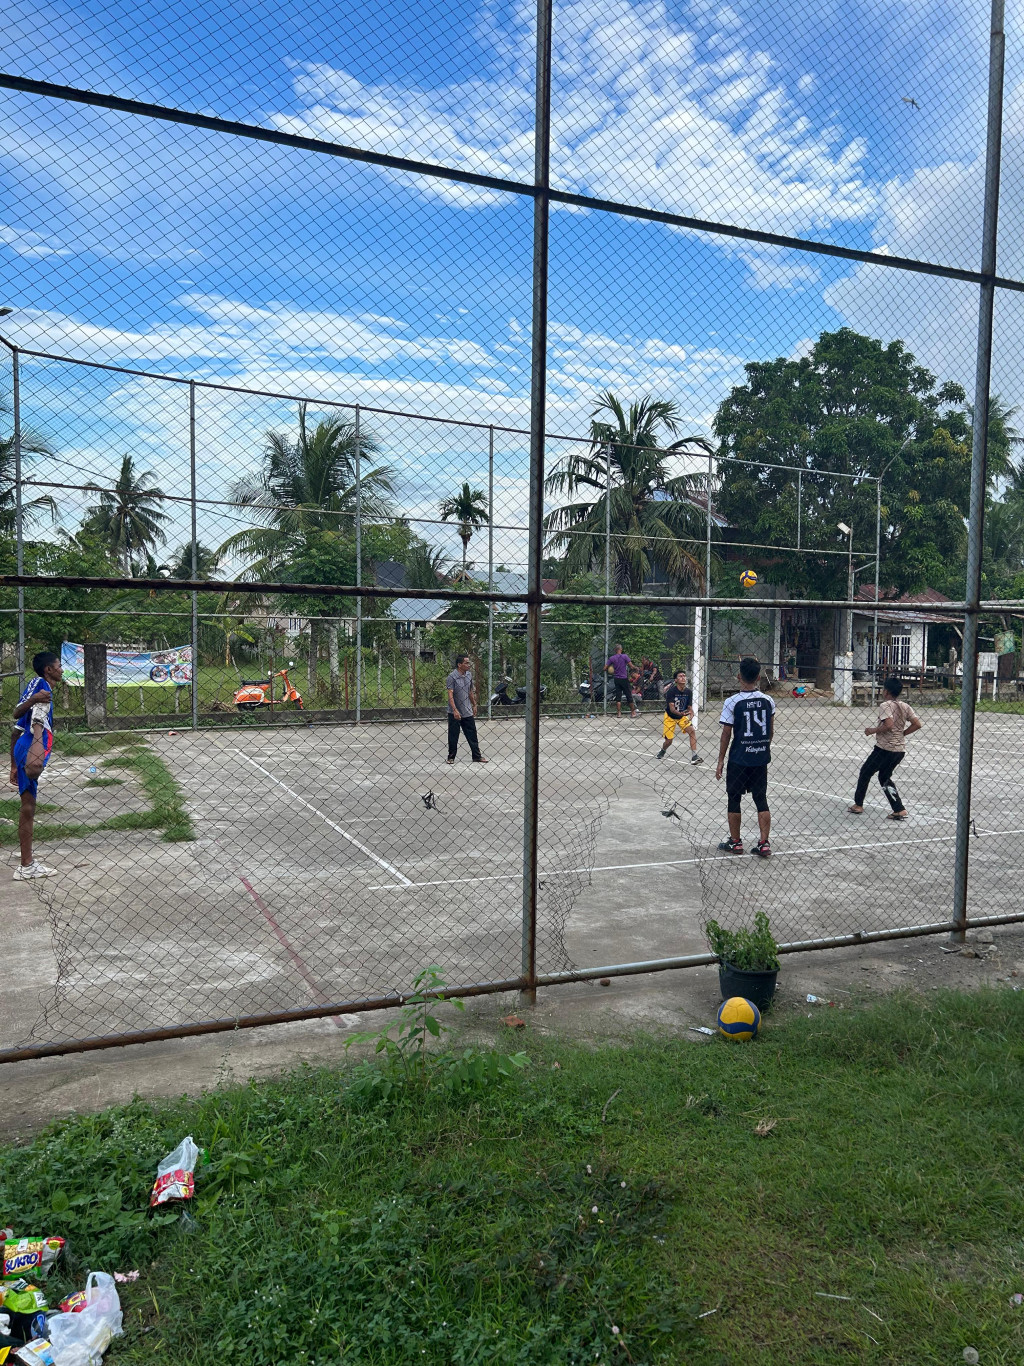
[(289, 430)]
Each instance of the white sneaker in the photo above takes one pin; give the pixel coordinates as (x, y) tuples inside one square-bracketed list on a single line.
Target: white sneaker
[(41, 715), (34, 870)]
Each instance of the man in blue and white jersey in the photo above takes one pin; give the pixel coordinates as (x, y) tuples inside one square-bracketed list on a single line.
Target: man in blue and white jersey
[(748, 724), (31, 744)]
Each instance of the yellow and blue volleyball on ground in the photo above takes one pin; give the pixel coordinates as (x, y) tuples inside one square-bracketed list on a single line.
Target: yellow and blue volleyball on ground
[(739, 1019), (748, 578)]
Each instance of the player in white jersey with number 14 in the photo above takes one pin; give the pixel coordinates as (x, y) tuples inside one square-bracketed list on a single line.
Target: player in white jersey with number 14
[(748, 724)]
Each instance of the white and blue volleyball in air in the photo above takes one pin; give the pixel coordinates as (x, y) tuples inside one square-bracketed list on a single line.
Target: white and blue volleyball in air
[(739, 1019)]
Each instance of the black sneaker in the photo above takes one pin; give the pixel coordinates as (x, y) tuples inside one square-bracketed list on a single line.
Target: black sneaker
[(732, 846), (696, 759), (762, 850), (661, 754)]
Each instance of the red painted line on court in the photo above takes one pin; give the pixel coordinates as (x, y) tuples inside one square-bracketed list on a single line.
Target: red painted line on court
[(282, 939)]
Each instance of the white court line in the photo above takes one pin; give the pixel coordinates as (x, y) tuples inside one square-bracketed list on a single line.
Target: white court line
[(679, 862), (403, 881)]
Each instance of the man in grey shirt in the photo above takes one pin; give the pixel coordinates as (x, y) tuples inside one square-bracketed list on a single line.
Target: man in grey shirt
[(462, 710)]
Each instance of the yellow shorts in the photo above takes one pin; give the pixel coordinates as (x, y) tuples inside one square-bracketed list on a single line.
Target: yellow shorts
[(670, 724)]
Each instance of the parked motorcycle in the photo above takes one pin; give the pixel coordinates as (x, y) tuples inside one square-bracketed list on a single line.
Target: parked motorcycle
[(500, 697), (254, 693)]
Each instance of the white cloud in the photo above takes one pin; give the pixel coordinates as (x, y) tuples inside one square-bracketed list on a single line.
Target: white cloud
[(638, 115), (32, 244), (936, 214)]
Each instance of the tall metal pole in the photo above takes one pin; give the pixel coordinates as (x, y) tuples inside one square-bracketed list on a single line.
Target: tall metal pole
[(538, 416), (878, 567), (19, 513), (359, 573), (607, 567), (799, 505), (979, 461), (195, 549), (704, 641), (490, 567)]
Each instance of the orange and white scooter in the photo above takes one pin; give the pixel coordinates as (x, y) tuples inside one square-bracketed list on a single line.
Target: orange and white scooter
[(253, 695)]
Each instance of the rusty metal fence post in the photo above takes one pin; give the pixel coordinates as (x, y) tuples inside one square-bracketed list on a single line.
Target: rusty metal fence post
[(19, 511), (538, 415), (979, 470)]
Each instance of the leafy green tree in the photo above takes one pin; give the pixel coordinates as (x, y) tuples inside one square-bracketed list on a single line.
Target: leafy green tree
[(127, 517), (425, 566), (852, 406), (468, 507), (31, 507), (1003, 560), (641, 631), (308, 487), (207, 563), (654, 518)]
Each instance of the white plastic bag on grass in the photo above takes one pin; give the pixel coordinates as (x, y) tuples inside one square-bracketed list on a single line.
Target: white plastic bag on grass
[(175, 1178), (81, 1339)]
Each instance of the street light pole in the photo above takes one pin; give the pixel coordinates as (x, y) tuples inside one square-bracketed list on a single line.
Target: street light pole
[(847, 664)]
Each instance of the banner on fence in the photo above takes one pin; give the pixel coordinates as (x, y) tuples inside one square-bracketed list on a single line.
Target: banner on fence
[(146, 669)]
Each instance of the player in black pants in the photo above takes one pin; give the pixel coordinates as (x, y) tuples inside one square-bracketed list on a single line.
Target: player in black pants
[(748, 724), (896, 720)]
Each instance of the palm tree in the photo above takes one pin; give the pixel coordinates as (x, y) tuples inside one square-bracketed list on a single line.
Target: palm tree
[(468, 507), (207, 563), (128, 517), (31, 444), (308, 486), (654, 515), (424, 566)]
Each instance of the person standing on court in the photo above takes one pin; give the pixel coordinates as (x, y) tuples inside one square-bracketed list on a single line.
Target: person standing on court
[(31, 744), (748, 725), (896, 720), (617, 669), (462, 710), (679, 713)]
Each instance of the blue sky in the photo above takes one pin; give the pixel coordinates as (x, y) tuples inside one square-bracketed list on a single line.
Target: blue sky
[(197, 255)]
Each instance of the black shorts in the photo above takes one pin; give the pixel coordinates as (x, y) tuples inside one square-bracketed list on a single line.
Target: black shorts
[(753, 778), (623, 692)]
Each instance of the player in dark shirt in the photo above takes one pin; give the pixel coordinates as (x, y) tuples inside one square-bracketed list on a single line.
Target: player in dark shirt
[(748, 724), (679, 714)]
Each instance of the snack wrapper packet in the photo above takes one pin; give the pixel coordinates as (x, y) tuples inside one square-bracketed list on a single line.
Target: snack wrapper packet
[(22, 1256), (175, 1175), (74, 1304), (19, 1297), (38, 1352)]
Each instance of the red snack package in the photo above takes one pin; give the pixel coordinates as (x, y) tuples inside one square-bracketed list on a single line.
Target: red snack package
[(175, 1175), (21, 1255)]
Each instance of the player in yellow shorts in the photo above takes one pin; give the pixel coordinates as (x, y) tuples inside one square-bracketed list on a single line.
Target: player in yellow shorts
[(679, 716)]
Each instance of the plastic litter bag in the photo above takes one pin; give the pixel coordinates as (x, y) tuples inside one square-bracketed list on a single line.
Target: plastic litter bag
[(81, 1339), (175, 1179)]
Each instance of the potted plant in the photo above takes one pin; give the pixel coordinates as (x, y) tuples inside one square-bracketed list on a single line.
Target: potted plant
[(748, 960)]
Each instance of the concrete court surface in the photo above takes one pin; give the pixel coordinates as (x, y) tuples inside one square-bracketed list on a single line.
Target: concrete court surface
[(320, 873)]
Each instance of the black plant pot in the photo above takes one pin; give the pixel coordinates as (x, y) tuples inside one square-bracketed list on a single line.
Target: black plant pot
[(758, 987)]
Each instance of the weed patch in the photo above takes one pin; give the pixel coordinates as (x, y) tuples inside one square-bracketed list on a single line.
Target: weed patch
[(876, 1221)]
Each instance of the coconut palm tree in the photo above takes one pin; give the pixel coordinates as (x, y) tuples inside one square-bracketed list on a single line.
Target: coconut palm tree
[(207, 562), (468, 507), (31, 444), (655, 515), (127, 516), (308, 487), (424, 566)]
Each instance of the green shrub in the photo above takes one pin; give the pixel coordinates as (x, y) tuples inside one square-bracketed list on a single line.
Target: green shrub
[(751, 950)]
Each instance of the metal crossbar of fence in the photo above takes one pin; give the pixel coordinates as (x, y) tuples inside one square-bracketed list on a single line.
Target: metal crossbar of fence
[(263, 527)]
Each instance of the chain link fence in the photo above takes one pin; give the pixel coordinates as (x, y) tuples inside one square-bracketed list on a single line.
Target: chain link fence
[(533, 337)]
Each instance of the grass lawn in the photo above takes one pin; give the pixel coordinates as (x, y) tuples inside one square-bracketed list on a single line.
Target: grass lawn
[(617, 1187), (167, 811)]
